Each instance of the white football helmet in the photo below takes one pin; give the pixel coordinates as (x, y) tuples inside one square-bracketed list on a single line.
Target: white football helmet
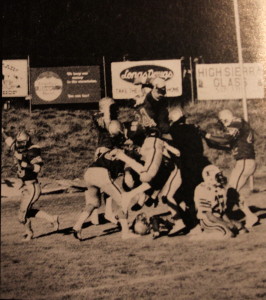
[(226, 117), (22, 141), (115, 128), (212, 175), (141, 224), (175, 113), (105, 103), (159, 88)]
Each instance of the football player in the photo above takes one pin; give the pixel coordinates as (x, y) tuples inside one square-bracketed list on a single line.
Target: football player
[(156, 225), (153, 110), (210, 201), (239, 138), (158, 174), (29, 163), (187, 139), (106, 141), (100, 177)]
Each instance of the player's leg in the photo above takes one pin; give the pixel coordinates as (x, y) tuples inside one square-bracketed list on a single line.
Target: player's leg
[(243, 169), (216, 227), (109, 211), (111, 188), (92, 200), (41, 214), (29, 195), (167, 195)]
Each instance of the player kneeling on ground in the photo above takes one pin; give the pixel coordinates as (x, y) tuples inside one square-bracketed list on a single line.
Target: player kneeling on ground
[(210, 202)]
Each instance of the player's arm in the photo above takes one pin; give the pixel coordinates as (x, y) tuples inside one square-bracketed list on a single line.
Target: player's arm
[(201, 203), (132, 163), (35, 163), (8, 140)]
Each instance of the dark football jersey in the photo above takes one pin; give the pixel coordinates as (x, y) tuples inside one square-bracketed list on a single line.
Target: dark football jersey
[(31, 156), (115, 167), (239, 137), (243, 139), (154, 113)]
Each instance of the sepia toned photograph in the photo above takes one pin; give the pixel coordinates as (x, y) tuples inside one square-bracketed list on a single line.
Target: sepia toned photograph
[(133, 140)]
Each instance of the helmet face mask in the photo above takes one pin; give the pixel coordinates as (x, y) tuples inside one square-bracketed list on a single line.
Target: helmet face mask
[(22, 141), (212, 175), (141, 224)]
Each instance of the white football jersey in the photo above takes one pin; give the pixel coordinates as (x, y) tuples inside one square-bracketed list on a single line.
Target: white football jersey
[(209, 198)]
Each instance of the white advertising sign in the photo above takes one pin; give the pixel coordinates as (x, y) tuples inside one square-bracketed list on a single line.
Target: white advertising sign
[(223, 81), (125, 73), (14, 78)]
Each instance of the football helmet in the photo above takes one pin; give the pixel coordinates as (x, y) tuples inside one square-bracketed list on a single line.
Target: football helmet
[(175, 113), (22, 141), (159, 88), (141, 224), (226, 117), (212, 175), (115, 128), (105, 103)]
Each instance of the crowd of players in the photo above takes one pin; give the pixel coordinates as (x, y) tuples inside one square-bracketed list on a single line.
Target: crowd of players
[(147, 154)]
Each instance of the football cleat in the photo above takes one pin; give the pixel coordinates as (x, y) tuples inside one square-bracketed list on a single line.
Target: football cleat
[(251, 220), (195, 231), (155, 235), (77, 234), (55, 223), (178, 227)]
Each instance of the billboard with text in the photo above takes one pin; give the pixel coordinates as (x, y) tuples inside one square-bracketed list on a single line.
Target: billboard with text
[(14, 78), (78, 84), (223, 81), (125, 73)]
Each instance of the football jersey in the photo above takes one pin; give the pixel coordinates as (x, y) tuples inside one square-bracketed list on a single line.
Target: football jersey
[(209, 199), (154, 113), (104, 139), (239, 138), (242, 139), (115, 167), (32, 156)]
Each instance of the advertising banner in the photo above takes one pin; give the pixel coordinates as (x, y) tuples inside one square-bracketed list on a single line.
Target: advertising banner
[(65, 85), (125, 73), (14, 78), (223, 81)]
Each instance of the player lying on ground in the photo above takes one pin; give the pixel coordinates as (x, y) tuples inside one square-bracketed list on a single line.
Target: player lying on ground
[(157, 225), (210, 202), (29, 163)]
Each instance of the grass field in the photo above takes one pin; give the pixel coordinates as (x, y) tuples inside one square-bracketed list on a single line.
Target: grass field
[(56, 266)]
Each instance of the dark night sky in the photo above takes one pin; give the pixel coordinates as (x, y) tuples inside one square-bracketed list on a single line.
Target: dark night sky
[(82, 31)]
